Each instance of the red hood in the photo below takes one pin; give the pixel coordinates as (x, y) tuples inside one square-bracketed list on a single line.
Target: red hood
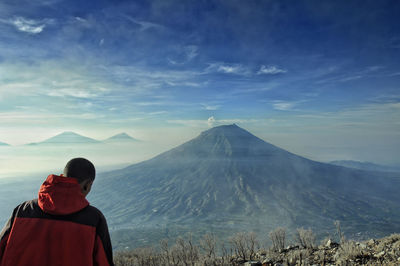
[(61, 195)]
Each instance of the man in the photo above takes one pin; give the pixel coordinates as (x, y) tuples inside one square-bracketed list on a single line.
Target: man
[(60, 227)]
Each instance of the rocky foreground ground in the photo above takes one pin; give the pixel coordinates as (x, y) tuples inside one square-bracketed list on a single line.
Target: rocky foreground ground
[(385, 251)]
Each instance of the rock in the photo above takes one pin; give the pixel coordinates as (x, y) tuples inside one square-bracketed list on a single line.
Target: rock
[(291, 247), (336, 256), (380, 254), (267, 262), (328, 243), (363, 245), (371, 242), (252, 263), (331, 244)]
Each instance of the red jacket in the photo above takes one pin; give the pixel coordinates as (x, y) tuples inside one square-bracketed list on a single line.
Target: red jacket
[(58, 228)]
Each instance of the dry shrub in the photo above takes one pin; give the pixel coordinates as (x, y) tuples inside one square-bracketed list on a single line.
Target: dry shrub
[(339, 232), (299, 257), (209, 244), (278, 237), (244, 245), (305, 238), (184, 252), (348, 251), (141, 257)]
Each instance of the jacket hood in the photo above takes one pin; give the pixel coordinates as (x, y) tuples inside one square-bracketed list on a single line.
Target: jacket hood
[(60, 195)]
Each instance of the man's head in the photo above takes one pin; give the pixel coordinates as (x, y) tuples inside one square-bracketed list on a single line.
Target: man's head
[(82, 170)]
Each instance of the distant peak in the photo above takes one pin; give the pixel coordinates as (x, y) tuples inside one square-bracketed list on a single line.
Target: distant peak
[(123, 134), (121, 137), (68, 133), (69, 137)]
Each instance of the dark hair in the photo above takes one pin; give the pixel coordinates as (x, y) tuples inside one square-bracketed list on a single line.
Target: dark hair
[(81, 169)]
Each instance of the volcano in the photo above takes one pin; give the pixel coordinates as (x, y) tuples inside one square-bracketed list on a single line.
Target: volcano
[(122, 137), (67, 137), (229, 177)]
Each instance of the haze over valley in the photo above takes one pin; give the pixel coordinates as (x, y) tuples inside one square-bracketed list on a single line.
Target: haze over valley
[(225, 180)]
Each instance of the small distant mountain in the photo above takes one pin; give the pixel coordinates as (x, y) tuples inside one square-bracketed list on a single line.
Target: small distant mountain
[(4, 144), (67, 137), (122, 137), (368, 166)]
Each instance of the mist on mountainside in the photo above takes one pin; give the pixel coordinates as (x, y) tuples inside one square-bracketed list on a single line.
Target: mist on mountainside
[(227, 180)]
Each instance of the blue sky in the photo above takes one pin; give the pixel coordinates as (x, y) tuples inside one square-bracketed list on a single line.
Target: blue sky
[(319, 78)]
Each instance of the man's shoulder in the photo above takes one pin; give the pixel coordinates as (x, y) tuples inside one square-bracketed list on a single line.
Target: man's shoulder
[(94, 211), (27, 206), (89, 215), (29, 203)]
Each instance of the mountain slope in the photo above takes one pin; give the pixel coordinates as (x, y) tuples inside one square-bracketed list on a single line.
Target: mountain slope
[(67, 137), (365, 166), (4, 144), (228, 177)]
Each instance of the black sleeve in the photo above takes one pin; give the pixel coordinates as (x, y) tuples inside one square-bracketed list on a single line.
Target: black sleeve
[(102, 232), (5, 233)]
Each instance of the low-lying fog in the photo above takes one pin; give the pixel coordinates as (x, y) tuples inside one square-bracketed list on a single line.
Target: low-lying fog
[(24, 161), (24, 168)]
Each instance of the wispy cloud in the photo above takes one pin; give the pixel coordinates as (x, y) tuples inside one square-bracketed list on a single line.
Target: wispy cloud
[(270, 70), (191, 51), (77, 93), (243, 70), (369, 71), (30, 26), (211, 107), (151, 103), (28, 117), (144, 25), (373, 115), (185, 55), (283, 106), (158, 113), (350, 78), (237, 69), (50, 79), (286, 105), (144, 79), (386, 98), (394, 74)]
